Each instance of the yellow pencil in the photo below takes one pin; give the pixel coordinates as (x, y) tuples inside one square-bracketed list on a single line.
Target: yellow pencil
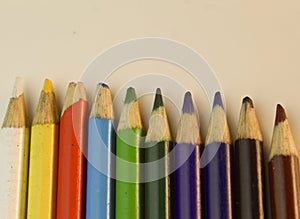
[(43, 157)]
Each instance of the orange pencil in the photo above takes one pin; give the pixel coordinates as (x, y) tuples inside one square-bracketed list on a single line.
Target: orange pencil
[(72, 162)]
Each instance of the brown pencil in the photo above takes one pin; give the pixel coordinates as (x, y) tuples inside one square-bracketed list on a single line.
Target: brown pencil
[(284, 170)]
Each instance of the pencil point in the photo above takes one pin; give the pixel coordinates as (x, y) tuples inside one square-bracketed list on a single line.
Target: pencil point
[(158, 102), (18, 88), (48, 87), (248, 100), (280, 114), (103, 85), (130, 95), (218, 100), (188, 106)]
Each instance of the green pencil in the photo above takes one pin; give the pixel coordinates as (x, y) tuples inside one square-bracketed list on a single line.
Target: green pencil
[(129, 192), (157, 146)]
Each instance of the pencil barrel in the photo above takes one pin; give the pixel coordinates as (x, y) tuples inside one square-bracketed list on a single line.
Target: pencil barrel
[(249, 179), (72, 162), (42, 171), (129, 195), (284, 186), (157, 192), (187, 181), (100, 193), (14, 170), (218, 180)]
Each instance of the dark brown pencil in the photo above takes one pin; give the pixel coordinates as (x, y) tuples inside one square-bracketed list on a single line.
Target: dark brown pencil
[(248, 165), (284, 170)]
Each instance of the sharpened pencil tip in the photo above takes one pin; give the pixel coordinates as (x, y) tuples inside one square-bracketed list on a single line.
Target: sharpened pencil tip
[(218, 100), (248, 100), (280, 114), (158, 101), (48, 87), (103, 85), (188, 106), (130, 95), (18, 88)]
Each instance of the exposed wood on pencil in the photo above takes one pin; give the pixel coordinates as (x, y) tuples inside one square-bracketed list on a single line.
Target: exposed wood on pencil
[(46, 111), (188, 128), (14, 157), (130, 116), (15, 115), (158, 124), (218, 130), (284, 170), (75, 92), (248, 127), (103, 106)]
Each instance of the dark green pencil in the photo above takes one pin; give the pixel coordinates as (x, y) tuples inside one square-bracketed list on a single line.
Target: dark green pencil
[(157, 147)]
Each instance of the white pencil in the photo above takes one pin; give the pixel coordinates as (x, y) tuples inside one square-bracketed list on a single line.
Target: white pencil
[(14, 157)]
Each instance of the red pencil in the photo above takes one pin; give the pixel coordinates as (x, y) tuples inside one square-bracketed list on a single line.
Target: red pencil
[(72, 162)]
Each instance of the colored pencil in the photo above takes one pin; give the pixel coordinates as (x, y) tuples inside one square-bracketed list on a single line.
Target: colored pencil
[(43, 157), (218, 172), (187, 159), (248, 165), (14, 157), (72, 162), (157, 146), (129, 190), (284, 170), (100, 194)]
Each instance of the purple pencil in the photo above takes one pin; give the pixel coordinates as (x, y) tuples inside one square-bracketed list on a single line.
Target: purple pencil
[(187, 176)]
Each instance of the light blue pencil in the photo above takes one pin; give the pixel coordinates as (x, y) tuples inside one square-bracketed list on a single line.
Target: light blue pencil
[(100, 201)]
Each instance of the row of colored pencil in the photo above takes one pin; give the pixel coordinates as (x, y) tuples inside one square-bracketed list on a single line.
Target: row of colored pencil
[(79, 167)]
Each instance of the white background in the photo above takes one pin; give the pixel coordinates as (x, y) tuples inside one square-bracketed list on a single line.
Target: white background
[(252, 46)]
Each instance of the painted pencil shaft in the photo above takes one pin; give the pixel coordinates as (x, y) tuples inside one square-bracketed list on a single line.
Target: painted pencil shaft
[(129, 190), (218, 171), (188, 181), (218, 184), (249, 185), (100, 191), (284, 170), (41, 201), (248, 165), (100, 194), (14, 157), (187, 159), (158, 190), (72, 162)]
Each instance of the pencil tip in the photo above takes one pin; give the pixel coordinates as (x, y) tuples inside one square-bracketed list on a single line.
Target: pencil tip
[(188, 106), (248, 100), (158, 101), (218, 100), (48, 87), (280, 114), (130, 95), (103, 85), (18, 87)]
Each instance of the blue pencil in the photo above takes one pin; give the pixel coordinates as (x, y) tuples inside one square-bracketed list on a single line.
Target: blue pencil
[(101, 144), (187, 158), (218, 172)]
